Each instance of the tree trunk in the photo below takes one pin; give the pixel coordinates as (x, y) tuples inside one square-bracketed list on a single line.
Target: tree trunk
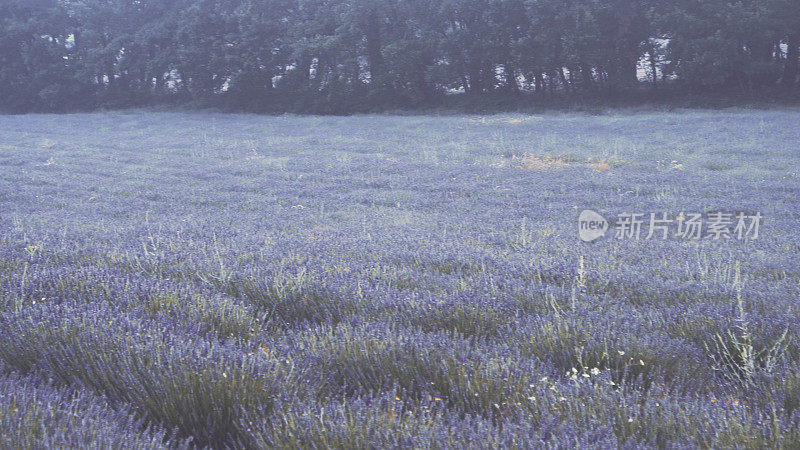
[(475, 82), (653, 68), (374, 55), (304, 68), (563, 78), (575, 81), (790, 68), (159, 80), (420, 81), (587, 76), (538, 80), (511, 78)]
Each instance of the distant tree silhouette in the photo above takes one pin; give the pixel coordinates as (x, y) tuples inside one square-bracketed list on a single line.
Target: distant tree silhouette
[(354, 55)]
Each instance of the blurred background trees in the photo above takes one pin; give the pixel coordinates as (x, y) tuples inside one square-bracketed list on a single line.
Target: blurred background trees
[(338, 56)]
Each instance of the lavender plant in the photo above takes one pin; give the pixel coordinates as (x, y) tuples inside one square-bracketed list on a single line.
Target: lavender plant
[(234, 281)]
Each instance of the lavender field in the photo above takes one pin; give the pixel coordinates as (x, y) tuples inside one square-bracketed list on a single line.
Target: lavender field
[(211, 280)]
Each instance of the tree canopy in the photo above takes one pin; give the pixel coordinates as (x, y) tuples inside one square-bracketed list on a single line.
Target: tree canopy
[(332, 56)]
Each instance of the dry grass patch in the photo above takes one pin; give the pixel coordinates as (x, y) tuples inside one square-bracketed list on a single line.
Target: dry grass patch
[(605, 164), (540, 162), (600, 165)]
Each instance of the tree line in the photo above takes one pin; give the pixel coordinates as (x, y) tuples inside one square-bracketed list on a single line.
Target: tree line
[(338, 56)]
